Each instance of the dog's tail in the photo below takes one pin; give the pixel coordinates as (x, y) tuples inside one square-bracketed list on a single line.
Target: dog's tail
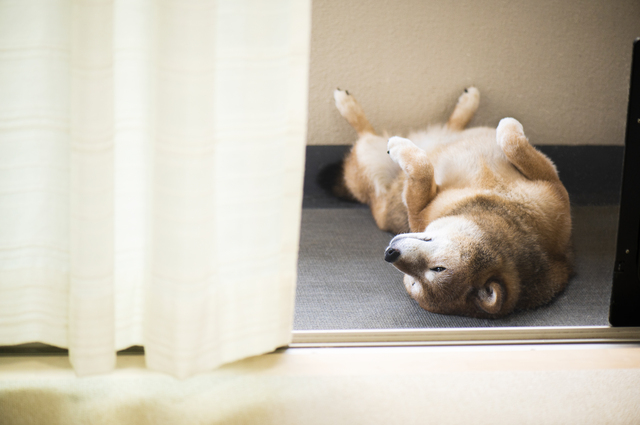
[(331, 179)]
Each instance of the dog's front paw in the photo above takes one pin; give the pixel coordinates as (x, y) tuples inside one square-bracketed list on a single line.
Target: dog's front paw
[(509, 131), (396, 147), (406, 154)]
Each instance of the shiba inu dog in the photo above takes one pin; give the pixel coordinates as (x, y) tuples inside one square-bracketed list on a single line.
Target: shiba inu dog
[(483, 222)]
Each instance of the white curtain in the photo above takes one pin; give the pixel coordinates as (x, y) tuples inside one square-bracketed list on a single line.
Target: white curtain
[(151, 163)]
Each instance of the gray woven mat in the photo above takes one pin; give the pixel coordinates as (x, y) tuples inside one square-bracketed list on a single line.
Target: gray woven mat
[(344, 283)]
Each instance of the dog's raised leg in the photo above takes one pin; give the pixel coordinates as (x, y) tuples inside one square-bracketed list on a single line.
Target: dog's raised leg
[(529, 161), (556, 229), (465, 109), (351, 110), (368, 172), (419, 187)]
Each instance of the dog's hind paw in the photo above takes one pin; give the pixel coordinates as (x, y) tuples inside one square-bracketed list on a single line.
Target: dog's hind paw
[(351, 110), (470, 99), (345, 103), (465, 109)]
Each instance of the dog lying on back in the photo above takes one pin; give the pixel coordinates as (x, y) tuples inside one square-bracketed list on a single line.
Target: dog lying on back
[(483, 222)]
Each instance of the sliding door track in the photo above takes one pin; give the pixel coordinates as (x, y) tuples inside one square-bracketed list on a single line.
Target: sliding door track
[(464, 336)]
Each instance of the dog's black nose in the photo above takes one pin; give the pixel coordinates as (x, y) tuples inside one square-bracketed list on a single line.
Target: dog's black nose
[(391, 255)]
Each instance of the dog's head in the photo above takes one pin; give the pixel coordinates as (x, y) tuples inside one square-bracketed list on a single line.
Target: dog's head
[(452, 268)]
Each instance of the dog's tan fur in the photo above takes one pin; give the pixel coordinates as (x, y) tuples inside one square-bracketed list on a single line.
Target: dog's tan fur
[(483, 221)]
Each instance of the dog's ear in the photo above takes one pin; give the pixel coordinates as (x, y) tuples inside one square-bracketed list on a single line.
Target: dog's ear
[(490, 297)]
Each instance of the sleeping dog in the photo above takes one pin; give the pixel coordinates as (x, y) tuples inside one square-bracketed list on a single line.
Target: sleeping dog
[(483, 222)]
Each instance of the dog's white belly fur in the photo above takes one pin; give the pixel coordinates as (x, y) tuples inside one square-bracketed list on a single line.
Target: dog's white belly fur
[(454, 155)]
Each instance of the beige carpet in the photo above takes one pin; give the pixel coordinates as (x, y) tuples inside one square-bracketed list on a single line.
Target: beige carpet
[(573, 384)]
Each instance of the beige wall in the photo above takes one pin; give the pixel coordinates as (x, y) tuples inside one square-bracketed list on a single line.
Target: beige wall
[(560, 67)]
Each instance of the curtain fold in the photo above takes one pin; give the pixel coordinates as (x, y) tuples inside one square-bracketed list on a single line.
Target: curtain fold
[(151, 160), (91, 192)]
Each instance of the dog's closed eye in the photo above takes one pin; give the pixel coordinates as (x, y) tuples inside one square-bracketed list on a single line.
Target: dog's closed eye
[(438, 269)]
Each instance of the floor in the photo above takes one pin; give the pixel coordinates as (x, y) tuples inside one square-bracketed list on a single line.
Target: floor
[(542, 384)]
